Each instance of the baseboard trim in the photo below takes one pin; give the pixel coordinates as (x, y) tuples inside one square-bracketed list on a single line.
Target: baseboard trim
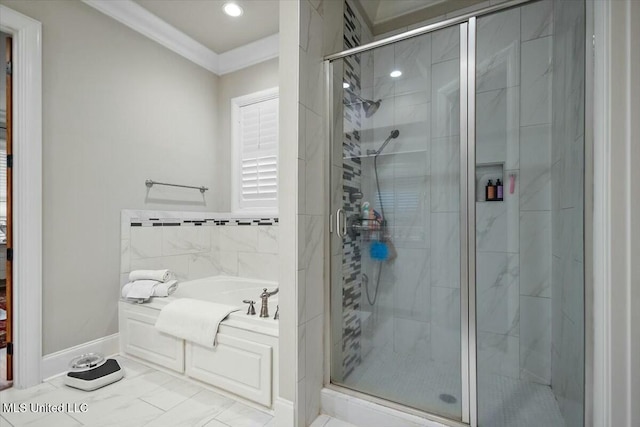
[(57, 363), (285, 413)]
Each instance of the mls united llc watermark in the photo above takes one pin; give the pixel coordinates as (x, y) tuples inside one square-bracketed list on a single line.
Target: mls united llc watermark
[(45, 407)]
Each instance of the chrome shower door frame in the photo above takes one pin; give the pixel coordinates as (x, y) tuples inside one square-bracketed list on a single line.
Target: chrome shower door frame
[(466, 224), (467, 25)]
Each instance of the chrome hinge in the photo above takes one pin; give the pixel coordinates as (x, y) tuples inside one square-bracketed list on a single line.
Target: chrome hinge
[(9, 254), (9, 68), (9, 160)]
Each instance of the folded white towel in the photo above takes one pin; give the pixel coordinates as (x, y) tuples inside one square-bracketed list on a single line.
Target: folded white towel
[(193, 320), (158, 275), (139, 289), (165, 289)]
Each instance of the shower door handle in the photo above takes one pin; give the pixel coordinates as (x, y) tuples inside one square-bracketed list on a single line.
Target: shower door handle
[(340, 223)]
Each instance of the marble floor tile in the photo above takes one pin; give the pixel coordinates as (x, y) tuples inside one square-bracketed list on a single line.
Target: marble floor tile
[(145, 397), (171, 394), (327, 421), (138, 386), (333, 422), (49, 420), (215, 423), (131, 367), (121, 411), (241, 415), (196, 411), (16, 395)]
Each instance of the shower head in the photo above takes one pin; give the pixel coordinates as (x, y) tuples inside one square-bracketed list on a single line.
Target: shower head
[(393, 135), (368, 106)]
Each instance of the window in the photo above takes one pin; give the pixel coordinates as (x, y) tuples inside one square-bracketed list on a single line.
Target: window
[(255, 152)]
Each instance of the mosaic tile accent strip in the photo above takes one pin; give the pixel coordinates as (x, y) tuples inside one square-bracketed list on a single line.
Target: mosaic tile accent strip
[(177, 222), (351, 175)]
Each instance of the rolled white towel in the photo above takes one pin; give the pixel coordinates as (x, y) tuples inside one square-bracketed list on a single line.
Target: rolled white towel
[(140, 289), (126, 288), (164, 289), (157, 275)]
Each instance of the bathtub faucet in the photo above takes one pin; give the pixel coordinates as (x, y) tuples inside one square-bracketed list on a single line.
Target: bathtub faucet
[(264, 296)]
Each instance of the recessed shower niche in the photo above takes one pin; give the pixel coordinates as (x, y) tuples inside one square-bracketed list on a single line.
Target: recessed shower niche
[(478, 299), (492, 175)]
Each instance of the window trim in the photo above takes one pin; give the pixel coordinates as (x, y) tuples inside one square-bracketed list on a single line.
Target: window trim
[(236, 104)]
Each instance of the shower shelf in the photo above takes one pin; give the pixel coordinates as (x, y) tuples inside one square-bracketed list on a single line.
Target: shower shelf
[(368, 229)]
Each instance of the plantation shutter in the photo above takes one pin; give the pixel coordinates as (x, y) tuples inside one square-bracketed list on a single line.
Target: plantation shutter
[(259, 154)]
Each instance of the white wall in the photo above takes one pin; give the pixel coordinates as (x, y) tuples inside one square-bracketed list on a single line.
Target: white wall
[(243, 82), (117, 109)]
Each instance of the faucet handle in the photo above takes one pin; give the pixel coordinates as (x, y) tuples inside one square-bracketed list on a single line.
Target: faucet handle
[(251, 310)]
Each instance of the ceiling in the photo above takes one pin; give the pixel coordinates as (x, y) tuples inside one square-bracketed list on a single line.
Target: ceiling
[(205, 22), (379, 11)]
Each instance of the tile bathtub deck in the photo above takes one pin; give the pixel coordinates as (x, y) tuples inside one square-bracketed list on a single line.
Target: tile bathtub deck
[(145, 397)]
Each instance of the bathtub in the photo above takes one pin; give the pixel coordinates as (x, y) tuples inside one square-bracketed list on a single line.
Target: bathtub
[(245, 361)]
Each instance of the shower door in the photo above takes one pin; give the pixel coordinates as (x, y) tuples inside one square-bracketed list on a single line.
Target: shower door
[(457, 173), (396, 217)]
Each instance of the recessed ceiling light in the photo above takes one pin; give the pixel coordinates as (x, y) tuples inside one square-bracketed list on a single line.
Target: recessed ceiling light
[(232, 9), (396, 73), (345, 85)]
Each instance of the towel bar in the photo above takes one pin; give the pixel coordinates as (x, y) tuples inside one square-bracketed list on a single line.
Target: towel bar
[(150, 183)]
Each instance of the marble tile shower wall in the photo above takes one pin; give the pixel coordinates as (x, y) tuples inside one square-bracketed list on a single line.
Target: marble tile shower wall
[(193, 251), (567, 204), (513, 96), (418, 308), (321, 32), (418, 300)]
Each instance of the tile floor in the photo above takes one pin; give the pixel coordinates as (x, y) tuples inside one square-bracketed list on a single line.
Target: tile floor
[(418, 382), (145, 397), (327, 421)]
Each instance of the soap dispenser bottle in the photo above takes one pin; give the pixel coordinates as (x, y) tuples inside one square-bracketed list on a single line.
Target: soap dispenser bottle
[(499, 190), (490, 191), (365, 211)]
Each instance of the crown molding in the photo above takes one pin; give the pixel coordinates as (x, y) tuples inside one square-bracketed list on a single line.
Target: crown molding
[(146, 23), (249, 54)]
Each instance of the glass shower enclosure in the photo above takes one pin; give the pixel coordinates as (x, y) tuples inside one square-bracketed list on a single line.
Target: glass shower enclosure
[(457, 163)]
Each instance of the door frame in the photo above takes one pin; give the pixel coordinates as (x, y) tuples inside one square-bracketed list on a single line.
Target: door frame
[(27, 192)]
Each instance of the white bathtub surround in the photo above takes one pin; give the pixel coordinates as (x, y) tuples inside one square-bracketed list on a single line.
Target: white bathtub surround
[(194, 320), (195, 244), (243, 362), (144, 396)]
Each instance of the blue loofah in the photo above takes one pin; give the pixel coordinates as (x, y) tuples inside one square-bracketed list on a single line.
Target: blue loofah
[(379, 251)]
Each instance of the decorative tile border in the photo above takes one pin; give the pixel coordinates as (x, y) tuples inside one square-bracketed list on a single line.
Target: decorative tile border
[(198, 222), (143, 218)]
